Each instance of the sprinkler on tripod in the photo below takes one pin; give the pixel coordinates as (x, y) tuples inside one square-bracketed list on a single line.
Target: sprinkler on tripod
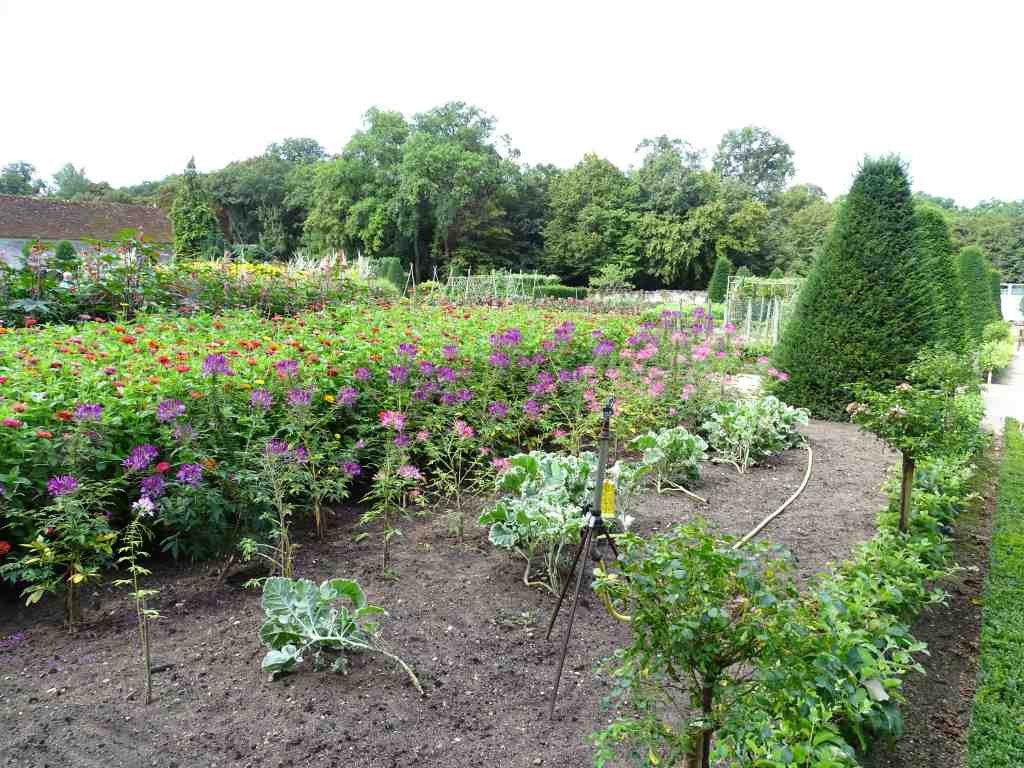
[(593, 528)]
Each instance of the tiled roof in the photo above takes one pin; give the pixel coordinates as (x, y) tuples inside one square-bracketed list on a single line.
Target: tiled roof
[(48, 219)]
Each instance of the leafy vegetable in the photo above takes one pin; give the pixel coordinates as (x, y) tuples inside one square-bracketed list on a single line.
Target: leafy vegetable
[(674, 455), (300, 616), (744, 432)]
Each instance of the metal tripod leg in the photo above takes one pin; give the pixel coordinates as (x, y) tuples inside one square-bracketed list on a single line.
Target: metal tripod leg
[(565, 587), (588, 540)]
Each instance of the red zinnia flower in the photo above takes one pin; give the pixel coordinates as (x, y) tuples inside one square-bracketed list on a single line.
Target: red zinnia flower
[(5, 547), (162, 467), (63, 415), (181, 368)]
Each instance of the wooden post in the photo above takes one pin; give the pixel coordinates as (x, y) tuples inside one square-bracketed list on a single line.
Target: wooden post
[(906, 489)]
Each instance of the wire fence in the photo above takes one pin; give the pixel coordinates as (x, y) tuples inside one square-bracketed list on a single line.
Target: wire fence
[(759, 307)]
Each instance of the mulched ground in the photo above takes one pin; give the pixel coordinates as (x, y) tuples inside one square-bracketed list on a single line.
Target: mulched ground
[(459, 615)]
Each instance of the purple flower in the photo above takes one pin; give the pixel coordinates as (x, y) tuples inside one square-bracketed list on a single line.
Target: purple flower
[(498, 410), (462, 429), (298, 398), (498, 360), (448, 398), (169, 410), (140, 458), (409, 350), (276, 447), (393, 419), (426, 367), (216, 365), (531, 408), (444, 373), (183, 432), (88, 412), (300, 454), (409, 472), (261, 398), (152, 486), (507, 338), (286, 368), (347, 396), (397, 374), (362, 374), (604, 347), (565, 331), (464, 395), (401, 440), (144, 507), (190, 474), (450, 352), (61, 485), (351, 468)]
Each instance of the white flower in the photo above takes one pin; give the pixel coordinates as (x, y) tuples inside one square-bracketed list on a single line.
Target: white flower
[(144, 507)]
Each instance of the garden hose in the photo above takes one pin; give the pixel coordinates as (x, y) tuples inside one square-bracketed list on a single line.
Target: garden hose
[(757, 528), (619, 616)]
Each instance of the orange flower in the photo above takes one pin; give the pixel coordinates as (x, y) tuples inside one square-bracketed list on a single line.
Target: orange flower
[(63, 415), (181, 368), (209, 464), (44, 434)]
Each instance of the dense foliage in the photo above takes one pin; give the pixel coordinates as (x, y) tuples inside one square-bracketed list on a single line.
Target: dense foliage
[(977, 286), (939, 271), (719, 282), (864, 311), (196, 232), (996, 739)]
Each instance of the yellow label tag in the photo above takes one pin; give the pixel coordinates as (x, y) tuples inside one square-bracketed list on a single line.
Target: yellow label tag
[(608, 499)]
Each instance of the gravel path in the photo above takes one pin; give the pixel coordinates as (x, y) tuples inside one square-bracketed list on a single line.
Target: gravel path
[(1006, 397)]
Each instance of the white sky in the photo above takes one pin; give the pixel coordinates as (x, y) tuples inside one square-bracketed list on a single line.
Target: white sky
[(130, 90)]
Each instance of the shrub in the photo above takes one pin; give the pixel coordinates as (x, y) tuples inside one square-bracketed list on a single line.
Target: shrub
[(996, 739), (863, 313), (745, 432), (612, 277), (561, 292), (776, 274), (998, 330), (390, 268), (939, 271), (977, 287), (65, 256), (719, 279)]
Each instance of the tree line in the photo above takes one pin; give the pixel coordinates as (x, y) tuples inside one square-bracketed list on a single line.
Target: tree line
[(442, 191)]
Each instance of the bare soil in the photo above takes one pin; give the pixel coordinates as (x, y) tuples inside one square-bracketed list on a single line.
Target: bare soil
[(458, 614)]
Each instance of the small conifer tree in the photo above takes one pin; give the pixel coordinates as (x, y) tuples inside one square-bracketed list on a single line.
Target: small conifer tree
[(719, 280), (196, 232)]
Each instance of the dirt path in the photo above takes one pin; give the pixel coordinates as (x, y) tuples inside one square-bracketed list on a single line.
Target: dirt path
[(459, 615), (1006, 396)]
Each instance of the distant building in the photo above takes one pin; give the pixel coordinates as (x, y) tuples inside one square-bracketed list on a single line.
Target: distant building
[(1011, 295), (23, 219)]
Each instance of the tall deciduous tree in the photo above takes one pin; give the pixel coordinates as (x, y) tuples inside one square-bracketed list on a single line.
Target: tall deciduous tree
[(20, 179), (196, 232), (71, 183), (863, 314), (757, 158)]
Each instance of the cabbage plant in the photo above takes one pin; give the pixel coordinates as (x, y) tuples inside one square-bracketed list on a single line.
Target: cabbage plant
[(301, 617), (673, 455), (745, 432)]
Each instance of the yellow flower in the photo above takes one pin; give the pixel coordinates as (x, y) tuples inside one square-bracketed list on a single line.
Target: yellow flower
[(259, 381), (337, 436), (328, 398)]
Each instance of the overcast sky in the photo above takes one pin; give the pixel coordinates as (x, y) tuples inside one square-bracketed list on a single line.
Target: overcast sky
[(130, 90)]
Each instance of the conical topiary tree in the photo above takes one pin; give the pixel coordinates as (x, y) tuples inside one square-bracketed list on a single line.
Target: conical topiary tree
[(997, 289), (196, 232), (719, 280), (938, 270), (744, 271), (977, 287), (863, 312), (777, 274)]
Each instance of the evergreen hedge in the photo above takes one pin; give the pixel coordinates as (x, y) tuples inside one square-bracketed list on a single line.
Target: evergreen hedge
[(719, 279), (997, 287), (863, 312), (939, 271), (977, 287)]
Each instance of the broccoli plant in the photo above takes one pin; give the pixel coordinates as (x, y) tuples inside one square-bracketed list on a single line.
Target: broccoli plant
[(745, 432), (300, 617), (674, 456)]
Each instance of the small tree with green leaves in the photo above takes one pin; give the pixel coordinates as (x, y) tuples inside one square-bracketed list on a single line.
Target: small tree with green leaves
[(196, 231), (910, 419), (719, 280), (699, 611)]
